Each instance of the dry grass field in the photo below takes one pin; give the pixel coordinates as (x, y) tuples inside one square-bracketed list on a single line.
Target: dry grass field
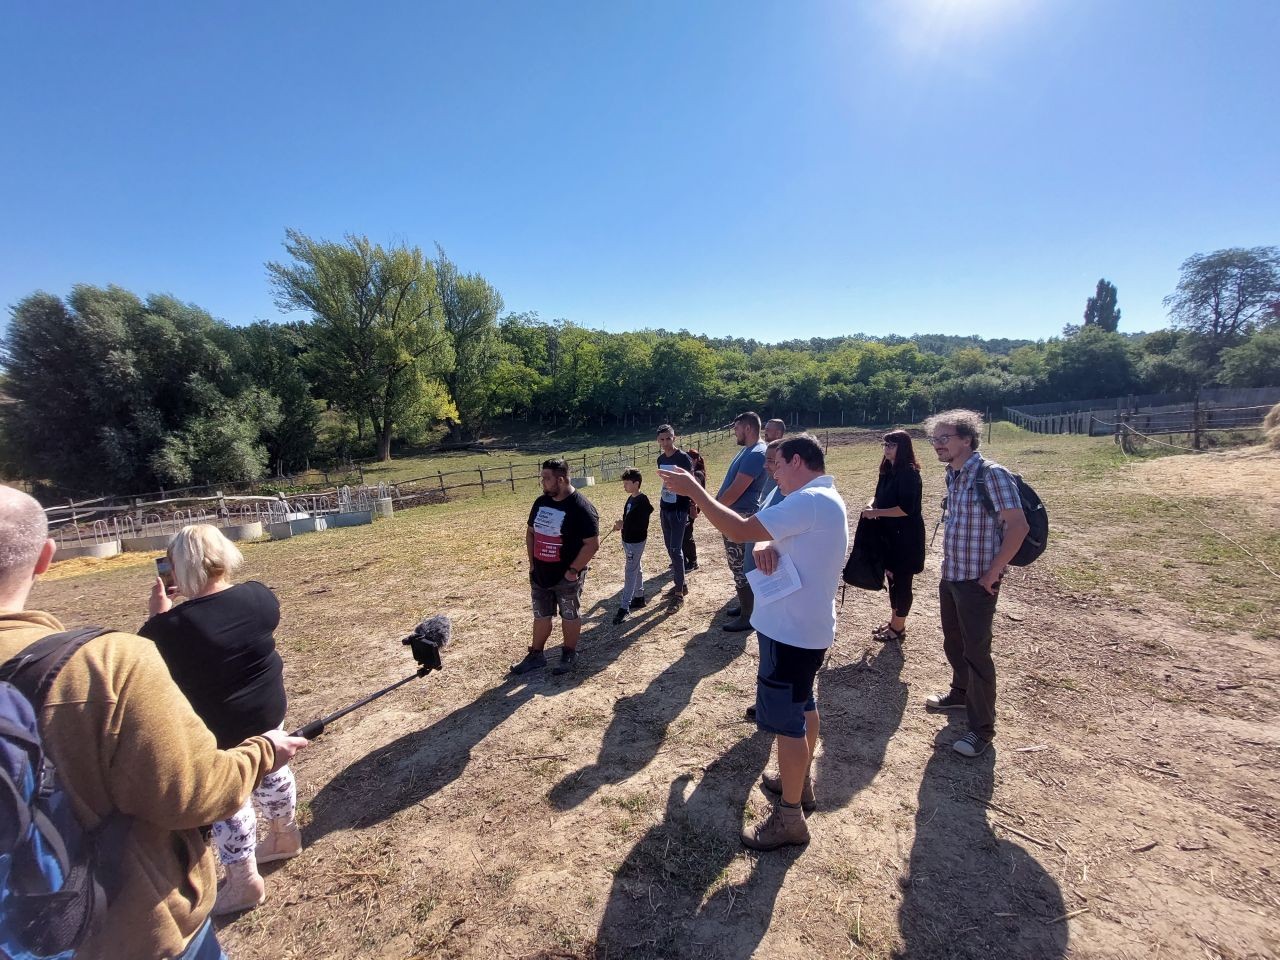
[(1129, 809)]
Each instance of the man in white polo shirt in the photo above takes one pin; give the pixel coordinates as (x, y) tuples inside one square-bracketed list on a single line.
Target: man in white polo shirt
[(806, 536)]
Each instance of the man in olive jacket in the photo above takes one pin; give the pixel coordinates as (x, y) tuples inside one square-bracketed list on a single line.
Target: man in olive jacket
[(125, 740)]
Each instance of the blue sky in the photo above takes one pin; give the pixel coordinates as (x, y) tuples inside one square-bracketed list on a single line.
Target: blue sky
[(745, 168)]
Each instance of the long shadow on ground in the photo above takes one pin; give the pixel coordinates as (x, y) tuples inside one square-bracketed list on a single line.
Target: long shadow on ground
[(970, 895), (419, 764), (656, 908), (640, 722)]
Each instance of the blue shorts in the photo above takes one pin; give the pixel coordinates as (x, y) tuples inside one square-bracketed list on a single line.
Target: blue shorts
[(784, 686)]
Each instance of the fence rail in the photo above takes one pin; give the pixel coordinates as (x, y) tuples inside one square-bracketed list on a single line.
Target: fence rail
[(109, 517)]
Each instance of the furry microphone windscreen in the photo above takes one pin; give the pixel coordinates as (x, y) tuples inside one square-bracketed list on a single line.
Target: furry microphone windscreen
[(437, 631)]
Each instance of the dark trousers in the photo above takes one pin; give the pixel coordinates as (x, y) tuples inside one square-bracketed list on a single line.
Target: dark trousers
[(690, 548), (901, 595), (967, 612)]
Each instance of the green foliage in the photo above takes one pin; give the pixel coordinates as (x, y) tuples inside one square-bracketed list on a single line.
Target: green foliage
[(1224, 295), (378, 335), (1254, 363), (1100, 310)]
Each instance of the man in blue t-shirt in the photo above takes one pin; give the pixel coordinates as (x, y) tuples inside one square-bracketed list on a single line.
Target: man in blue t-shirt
[(740, 492)]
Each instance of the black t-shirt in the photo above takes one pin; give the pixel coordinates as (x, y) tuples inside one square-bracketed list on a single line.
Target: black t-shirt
[(678, 458), (635, 519), (559, 527), (899, 488), (221, 652), (903, 537)]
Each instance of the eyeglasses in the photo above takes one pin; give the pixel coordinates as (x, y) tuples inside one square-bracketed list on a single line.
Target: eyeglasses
[(943, 440)]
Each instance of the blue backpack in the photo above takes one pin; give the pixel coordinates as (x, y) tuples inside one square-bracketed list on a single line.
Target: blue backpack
[(53, 885)]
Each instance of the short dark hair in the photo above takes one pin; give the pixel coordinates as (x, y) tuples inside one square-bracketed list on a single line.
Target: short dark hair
[(557, 465), (631, 473), (806, 447), (750, 418), (667, 428)]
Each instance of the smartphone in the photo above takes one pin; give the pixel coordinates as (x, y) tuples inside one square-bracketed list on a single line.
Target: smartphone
[(164, 570)]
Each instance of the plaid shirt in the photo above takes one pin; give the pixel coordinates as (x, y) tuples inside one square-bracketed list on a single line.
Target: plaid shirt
[(971, 536)]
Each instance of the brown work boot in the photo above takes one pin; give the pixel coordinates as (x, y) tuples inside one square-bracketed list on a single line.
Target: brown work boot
[(242, 890), (772, 783), (283, 840), (784, 827)]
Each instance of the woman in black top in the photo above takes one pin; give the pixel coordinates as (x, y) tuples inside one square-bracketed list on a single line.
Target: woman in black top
[(896, 508), (221, 652)]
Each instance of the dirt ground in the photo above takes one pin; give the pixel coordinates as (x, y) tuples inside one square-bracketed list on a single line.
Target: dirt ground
[(1129, 809)]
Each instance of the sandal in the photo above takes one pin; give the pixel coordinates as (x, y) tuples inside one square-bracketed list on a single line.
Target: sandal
[(876, 631), (890, 635)]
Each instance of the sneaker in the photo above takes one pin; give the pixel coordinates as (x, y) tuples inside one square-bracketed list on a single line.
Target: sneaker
[(751, 713), (690, 566), (772, 783), (568, 662), (971, 745), (533, 660), (678, 593), (784, 827), (952, 700), (637, 602), (620, 616)]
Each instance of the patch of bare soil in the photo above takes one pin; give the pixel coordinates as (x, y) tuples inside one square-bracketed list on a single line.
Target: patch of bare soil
[(1129, 809)]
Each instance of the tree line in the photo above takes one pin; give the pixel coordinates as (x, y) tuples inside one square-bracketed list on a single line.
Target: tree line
[(104, 390)]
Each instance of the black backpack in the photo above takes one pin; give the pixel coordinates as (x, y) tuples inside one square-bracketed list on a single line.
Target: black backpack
[(55, 879), (1037, 537)]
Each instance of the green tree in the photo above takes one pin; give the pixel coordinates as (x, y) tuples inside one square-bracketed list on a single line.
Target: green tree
[(1091, 364), (471, 306), (378, 325), (1100, 310), (1225, 294), (273, 360), (1254, 363)]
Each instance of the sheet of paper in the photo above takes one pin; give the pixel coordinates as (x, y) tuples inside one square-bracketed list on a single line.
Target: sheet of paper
[(783, 582)]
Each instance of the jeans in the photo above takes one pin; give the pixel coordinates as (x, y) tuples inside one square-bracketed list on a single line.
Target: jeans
[(673, 524), (633, 584), (690, 546), (203, 946), (967, 612)]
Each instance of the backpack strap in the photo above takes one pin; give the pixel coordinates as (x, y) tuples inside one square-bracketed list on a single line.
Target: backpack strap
[(33, 669), (980, 484)]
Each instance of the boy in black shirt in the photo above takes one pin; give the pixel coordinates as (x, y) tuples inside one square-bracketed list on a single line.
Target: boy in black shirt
[(562, 537), (635, 531), (675, 510)]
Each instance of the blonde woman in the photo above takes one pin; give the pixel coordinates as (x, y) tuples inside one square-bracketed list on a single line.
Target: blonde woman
[(221, 651)]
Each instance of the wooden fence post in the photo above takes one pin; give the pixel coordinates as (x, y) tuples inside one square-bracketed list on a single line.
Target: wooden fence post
[(440, 478), (481, 481), (511, 476)]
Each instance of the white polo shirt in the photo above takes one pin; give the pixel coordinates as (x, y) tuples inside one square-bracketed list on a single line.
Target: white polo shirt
[(811, 526)]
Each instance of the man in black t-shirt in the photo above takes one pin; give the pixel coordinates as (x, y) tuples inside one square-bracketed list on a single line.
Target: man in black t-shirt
[(675, 510), (562, 537)]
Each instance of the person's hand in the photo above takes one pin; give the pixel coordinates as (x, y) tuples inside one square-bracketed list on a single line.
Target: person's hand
[(766, 558), (869, 514), (617, 525), (990, 581), (571, 576), (285, 747), (678, 480), (160, 600)]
